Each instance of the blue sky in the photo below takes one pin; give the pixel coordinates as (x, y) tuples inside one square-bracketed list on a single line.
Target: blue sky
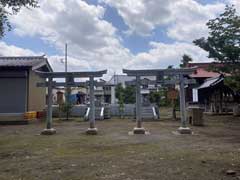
[(113, 34)]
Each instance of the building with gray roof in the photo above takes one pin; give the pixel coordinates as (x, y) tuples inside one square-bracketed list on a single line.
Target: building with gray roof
[(18, 92)]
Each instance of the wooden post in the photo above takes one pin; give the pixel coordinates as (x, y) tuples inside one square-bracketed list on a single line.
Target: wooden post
[(139, 129), (49, 130), (174, 116), (183, 129), (92, 130)]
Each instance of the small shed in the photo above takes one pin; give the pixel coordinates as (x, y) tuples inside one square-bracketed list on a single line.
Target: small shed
[(18, 92), (214, 95)]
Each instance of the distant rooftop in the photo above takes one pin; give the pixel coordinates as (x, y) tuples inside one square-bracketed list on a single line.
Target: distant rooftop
[(119, 79), (202, 70), (35, 62), (122, 79), (205, 64)]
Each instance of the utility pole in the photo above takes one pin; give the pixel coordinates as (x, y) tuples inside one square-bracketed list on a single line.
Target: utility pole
[(68, 89), (66, 58)]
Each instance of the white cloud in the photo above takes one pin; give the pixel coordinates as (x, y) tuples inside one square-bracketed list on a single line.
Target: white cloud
[(142, 16), (57, 62), (159, 56), (94, 43), (236, 3), (162, 55), (91, 39), (185, 19), (11, 50), (190, 19)]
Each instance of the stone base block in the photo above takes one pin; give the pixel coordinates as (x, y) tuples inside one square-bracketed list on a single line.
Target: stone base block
[(137, 130), (184, 130), (48, 131), (92, 131)]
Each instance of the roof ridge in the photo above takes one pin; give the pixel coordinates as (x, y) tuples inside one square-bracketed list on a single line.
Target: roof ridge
[(23, 57), (24, 61)]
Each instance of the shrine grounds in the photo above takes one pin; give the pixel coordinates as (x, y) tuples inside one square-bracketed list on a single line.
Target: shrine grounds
[(115, 155)]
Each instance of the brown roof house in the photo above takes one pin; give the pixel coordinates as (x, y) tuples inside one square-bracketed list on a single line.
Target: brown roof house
[(18, 92), (210, 90)]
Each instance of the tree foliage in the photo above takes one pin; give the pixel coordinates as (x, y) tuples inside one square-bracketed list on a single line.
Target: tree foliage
[(159, 97), (67, 106), (223, 43), (127, 95), (12, 7), (170, 67), (185, 60)]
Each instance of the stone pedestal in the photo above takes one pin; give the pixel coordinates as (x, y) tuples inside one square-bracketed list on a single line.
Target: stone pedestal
[(137, 130), (184, 130), (195, 116), (92, 131), (236, 110), (48, 131)]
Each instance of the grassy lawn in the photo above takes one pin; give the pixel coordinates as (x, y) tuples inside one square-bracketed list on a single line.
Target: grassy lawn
[(113, 154)]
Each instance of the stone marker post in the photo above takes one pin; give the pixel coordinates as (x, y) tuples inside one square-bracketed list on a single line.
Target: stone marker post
[(49, 130)]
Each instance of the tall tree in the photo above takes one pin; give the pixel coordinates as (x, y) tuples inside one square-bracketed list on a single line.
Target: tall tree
[(170, 67), (223, 43), (185, 60), (126, 94), (12, 7)]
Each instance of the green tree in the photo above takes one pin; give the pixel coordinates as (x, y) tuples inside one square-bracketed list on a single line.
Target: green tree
[(155, 97), (121, 103), (130, 95), (67, 106), (12, 7), (170, 67), (159, 97), (223, 44), (119, 91), (185, 60)]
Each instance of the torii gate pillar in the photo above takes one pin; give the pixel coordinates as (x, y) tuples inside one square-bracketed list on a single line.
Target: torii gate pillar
[(183, 129), (92, 129), (139, 129)]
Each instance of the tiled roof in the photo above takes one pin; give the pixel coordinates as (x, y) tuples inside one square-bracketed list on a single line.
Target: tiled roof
[(23, 61), (205, 64), (202, 69), (211, 82), (202, 73)]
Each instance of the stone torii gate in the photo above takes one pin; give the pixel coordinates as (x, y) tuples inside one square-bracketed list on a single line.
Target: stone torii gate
[(69, 76), (179, 73)]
